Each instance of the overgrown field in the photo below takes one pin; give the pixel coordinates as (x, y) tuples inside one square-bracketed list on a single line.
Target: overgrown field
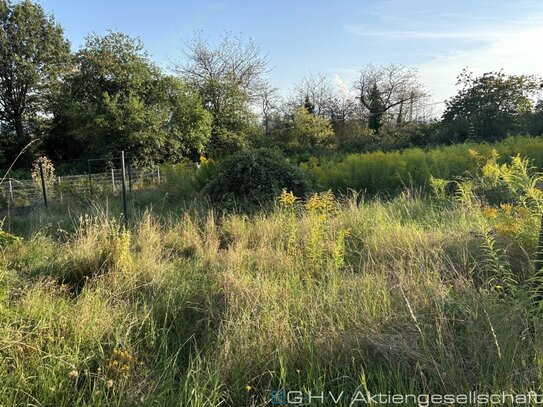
[(412, 295), (378, 172)]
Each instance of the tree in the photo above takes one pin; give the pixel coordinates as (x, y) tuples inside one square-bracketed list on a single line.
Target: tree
[(393, 88), (308, 105), (269, 103), (118, 100), (376, 109), (310, 131), (33, 55), (490, 106), (315, 92), (229, 77)]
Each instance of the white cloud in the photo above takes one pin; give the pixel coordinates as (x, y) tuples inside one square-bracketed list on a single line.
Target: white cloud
[(515, 51), (481, 47), (481, 35)]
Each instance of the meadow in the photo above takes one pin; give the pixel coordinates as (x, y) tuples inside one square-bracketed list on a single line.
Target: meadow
[(392, 171), (191, 306)]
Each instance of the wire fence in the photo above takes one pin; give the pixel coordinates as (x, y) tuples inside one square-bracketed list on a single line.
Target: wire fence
[(29, 192)]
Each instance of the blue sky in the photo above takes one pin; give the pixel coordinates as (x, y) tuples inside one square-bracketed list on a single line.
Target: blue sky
[(301, 37)]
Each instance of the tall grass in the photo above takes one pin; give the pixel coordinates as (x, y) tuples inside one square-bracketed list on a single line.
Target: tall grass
[(208, 310), (376, 172)]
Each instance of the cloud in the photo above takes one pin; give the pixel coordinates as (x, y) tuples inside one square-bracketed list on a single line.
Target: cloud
[(480, 35), (516, 51)]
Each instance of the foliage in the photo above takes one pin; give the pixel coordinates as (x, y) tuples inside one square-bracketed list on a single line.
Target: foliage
[(310, 131), (509, 195), (254, 177), (389, 172), (195, 309), (228, 77), (488, 107), (48, 170), (33, 57), (387, 93), (118, 100)]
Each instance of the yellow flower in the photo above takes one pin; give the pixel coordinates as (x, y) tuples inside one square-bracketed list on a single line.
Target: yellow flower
[(506, 208), (109, 384), (490, 213), (323, 202), (287, 198), (248, 388)]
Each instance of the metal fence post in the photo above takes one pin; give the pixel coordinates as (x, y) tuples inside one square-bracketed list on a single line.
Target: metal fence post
[(129, 177), (40, 163), (123, 180), (90, 177), (59, 187), (113, 179), (10, 192)]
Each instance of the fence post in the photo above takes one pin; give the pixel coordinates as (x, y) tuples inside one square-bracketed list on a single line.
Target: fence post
[(123, 180), (90, 177), (40, 163), (129, 177), (10, 192), (113, 179), (158, 174), (59, 188)]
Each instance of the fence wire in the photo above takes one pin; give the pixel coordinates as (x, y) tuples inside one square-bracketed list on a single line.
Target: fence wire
[(28, 192)]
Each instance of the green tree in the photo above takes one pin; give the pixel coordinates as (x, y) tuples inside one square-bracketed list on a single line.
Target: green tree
[(118, 100), (308, 105), (376, 109), (230, 78), (33, 56), (310, 131), (490, 106)]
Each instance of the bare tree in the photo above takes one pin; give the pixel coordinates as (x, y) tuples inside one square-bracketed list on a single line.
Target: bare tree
[(229, 77), (269, 104), (235, 60), (395, 86), (317, 89)]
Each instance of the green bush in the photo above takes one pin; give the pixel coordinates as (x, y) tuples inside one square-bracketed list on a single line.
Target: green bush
[(253, 177)]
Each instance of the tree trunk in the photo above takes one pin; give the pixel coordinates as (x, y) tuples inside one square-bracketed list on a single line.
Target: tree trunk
[(19, 127)]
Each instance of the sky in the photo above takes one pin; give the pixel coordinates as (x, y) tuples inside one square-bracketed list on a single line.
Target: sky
[(336, 38)]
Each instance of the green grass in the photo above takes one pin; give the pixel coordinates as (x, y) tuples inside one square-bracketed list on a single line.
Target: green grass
[(377, 296), (391, 172)]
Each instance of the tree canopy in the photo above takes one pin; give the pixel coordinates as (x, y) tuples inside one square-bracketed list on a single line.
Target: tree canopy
[(33, 56), (229, 77), (488, 107), (117, 99)]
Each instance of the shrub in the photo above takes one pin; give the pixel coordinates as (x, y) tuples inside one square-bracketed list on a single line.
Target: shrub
[(253, 177)]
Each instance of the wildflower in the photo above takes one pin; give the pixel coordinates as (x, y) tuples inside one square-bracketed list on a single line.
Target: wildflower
[(73, 374), (474, 154), (490, 213), (506, 208), (287, 198), (109, 384), (491, 170), (323, 202), (248, 388)]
